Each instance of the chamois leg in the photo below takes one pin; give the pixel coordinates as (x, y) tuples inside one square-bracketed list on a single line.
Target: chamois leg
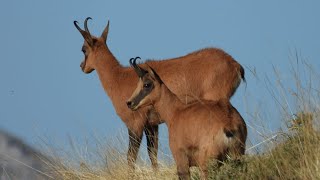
[(203, 170), (152, 143), (134, 144), (183, 172), (182, 162)]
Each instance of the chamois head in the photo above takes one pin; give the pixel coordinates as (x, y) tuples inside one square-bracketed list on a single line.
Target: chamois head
[(91, 45), (148, 87)]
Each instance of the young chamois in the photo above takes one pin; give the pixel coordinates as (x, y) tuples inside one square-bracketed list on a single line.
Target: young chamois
[(197, 131), (208, 74)]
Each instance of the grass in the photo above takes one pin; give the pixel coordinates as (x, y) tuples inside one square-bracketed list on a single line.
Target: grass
[(110, 162), (292, 152)]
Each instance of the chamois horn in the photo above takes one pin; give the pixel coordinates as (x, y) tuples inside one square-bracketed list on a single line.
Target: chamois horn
[(76, 25), (85, 24), (86, 35), (136, 68)]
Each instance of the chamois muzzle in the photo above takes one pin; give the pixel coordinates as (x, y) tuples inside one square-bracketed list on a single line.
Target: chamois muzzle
[(83, 65), (131, 105)]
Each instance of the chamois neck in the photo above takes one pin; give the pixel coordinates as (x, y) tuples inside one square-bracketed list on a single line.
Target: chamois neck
[(168, 104), (108, 69), (106, 61)]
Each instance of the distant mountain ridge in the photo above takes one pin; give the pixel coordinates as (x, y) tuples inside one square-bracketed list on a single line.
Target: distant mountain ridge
[(20, 161)]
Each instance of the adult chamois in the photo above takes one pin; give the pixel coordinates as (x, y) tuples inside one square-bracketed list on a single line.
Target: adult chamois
[(205, 74), (198, 131)]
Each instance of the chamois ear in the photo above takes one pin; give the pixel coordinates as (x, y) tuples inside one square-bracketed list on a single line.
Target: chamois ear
[(153, 73), (104, 34)]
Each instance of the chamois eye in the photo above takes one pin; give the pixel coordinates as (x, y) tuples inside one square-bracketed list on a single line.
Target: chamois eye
[(84, 51), (147, 85)]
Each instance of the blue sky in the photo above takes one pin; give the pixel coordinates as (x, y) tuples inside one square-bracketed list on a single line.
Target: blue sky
[(43, 92)]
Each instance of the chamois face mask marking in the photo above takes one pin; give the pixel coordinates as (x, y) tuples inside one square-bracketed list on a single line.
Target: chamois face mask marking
[(146, 89)]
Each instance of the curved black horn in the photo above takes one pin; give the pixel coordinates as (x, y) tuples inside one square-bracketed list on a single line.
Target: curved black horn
[(86, 35), (140, 72), (76, 25), (134, 61), (130, 61), (85, 24)]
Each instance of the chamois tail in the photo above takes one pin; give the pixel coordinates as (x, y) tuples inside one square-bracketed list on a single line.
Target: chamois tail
[(242, 73)]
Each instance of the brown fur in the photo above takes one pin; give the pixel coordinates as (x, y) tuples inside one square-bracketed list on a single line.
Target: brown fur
[(206, 74), (197, 131)]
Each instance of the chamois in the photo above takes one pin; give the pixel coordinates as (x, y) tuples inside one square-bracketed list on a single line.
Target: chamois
[(198, 131), (205, 74)]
